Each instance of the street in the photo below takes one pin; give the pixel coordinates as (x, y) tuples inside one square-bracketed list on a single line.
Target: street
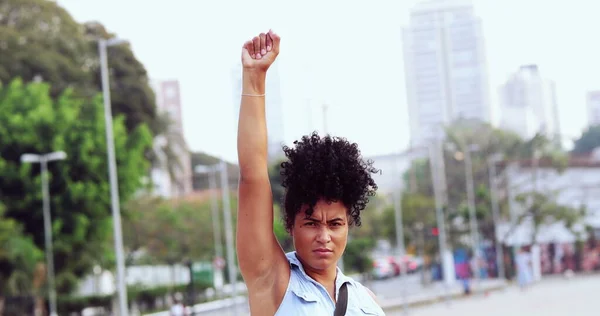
[(551, 297), (389, 288), (554, 296)]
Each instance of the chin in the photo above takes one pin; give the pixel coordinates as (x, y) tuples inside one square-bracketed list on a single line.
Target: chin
[(322, 263)]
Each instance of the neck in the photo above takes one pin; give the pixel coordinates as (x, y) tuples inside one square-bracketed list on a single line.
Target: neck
[(323, 276)]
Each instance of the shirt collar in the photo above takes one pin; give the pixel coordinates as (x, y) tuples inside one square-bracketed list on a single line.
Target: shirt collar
[(339, 280)]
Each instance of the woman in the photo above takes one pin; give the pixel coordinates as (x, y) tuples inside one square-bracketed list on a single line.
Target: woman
[(523, 263), (327, 186)]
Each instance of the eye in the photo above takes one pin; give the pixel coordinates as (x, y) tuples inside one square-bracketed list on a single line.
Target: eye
[(311, 224), (336, 224)]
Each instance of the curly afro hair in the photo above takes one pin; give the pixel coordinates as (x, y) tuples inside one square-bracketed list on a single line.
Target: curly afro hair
[(328, 168)]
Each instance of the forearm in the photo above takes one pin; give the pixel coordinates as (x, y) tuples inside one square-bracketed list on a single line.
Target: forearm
[(252, 126)]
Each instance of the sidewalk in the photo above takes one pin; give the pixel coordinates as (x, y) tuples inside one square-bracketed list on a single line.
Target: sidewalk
[(438, 293), (428, 295)]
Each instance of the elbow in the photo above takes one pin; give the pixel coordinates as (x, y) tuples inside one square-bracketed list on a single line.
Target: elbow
[(255, 170)]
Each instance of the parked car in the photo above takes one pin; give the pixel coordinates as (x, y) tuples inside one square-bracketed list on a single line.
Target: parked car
[(382, 269), (395, 265)]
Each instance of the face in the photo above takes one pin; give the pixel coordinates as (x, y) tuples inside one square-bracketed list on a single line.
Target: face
[(320, 239)]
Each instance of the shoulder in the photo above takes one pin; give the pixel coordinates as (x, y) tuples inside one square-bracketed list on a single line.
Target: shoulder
[(366, 300), (368, 291), (371, 293), (361, 288)]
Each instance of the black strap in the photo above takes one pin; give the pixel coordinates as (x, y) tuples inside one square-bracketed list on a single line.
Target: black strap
[(342, 301)]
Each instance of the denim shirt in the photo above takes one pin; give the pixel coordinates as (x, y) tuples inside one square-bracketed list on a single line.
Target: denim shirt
[(305, 296)]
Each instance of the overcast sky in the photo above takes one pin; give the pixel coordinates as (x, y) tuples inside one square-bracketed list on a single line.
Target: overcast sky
[(345, 53)]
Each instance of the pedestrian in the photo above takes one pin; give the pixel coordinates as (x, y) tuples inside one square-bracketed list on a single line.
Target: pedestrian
[(524, 268), (178, 309), (327, 184)]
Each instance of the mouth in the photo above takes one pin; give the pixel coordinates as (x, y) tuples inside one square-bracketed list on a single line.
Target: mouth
[(323, 251)]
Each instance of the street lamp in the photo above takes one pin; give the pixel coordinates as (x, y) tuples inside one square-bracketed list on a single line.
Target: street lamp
[(466, 156), (43, 161), (436, 177), (222, 168), (103, 44), (212, 184), (492, 160), (400, 242)]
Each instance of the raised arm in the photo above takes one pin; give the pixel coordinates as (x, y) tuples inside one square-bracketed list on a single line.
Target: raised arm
[(260, 256)]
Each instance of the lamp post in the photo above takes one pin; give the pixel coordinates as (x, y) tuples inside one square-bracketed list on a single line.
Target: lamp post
[(436, 177), (492, 160), (465, 155), (112, 173), (43, 161), (437, 170), (400, 243), (222, 168), (212, 184)]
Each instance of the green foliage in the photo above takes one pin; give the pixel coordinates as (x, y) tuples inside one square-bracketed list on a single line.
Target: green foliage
[(416, 208), (282, 235), (488, 141), (167, 232), (143, 296), (32, 122), (356, 256), (18, 254), (589, 140), (542, 209), (40, 40)]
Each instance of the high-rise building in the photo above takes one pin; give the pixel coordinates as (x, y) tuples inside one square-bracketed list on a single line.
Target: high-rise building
[(445, 68), (274, 107), (168, 100), (528, 104), (593, 103)]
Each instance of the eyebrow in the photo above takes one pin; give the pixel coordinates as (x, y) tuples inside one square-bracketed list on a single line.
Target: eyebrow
[(312, 219)]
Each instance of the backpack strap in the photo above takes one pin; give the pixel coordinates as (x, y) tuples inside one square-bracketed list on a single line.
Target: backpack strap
[(342, 302)]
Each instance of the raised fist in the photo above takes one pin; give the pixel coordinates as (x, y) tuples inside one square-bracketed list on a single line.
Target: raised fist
[(260, 52)]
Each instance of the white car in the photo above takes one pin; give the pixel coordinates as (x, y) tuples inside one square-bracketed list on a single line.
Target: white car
[(382, 269)]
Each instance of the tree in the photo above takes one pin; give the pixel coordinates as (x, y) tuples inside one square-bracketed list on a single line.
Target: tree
[(487, 141), (31, 121), (542, 209), (200, 181), (416, 208), (130, 90), (275, 179), (140, 221), (589, 140), (159, 231), (41, 41), (356, 256), (283, 236), (18, 258)]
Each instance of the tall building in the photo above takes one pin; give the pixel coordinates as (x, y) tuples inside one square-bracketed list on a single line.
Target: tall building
[(274, 107), (593, 103), (445, 67), (168, 100), (528, 104)]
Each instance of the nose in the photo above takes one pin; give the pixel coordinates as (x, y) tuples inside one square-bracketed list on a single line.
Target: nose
[(323, 235)]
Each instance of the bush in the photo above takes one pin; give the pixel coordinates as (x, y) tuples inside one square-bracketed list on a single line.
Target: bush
[(75, 304), (146, 298)]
